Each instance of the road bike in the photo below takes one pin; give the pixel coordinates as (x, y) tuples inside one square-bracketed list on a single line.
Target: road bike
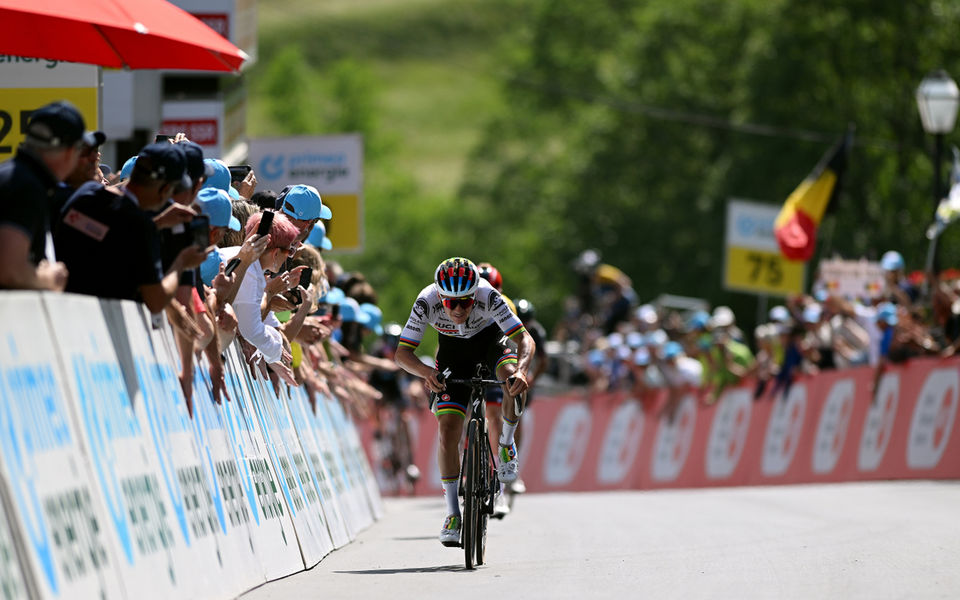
[(478, 482)]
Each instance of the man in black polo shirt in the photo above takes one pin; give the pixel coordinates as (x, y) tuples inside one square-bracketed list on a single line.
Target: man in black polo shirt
[(87, 169), (28, 184), (110, 242)]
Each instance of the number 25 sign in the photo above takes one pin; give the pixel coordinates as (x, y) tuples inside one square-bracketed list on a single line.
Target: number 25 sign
[(26, 84)]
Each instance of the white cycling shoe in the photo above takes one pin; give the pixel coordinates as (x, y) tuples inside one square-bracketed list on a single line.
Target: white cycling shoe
[(509, 468), (450, 534), (518, 487)]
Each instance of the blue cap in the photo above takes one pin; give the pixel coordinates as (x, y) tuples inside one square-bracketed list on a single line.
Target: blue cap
[(127, 168), (657, 338), (780, 314), (215, 203), (887, 312), (892, 261), (672, 350), (211, 266), (641, 357), (60, 124), (635, 339), (350, 312), (303, 202), (164, 162), (596, 357), (220, 178), (812, 313), (334, 296), (699, 320), (196, 166), (318, 237), (376, 316)]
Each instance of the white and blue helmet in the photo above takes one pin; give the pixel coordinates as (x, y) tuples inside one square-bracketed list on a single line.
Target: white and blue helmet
[(457, 277)]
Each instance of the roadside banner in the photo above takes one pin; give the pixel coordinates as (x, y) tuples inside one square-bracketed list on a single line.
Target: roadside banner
[(827, 428), (333, 164)]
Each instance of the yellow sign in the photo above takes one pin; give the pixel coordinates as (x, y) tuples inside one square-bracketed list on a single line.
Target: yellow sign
[(16, 104), (345, 228), (762, 271)]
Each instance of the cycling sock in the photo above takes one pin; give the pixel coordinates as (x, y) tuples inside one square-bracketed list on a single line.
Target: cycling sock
[(509, 427), (450, 494)]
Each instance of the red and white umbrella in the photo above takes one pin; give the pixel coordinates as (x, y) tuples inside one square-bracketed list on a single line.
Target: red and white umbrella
[(135, 34)]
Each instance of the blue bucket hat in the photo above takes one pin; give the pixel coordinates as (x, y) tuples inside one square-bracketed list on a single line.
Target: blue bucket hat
[(672, 350), (215, 203), (892, 261), (318, 237), (350, 312), (334, 296), (887, 312), (303, 202), (220, 178), (375, 315)]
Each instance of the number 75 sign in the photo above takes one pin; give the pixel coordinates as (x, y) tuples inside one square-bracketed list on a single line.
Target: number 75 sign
[(753, 262)]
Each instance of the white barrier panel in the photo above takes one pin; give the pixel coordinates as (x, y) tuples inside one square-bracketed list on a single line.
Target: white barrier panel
[(299, 408), (110, 489), (311, 531), (46, 474), (272, 530)]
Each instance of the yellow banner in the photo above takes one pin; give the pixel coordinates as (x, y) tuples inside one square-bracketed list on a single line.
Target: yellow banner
[(16, 104), (762, 271), (345, 229)]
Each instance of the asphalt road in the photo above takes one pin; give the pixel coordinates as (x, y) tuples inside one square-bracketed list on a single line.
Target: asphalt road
[(858, 540)]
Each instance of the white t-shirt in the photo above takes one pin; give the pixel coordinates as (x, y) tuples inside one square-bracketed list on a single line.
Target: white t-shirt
[(262, 333)]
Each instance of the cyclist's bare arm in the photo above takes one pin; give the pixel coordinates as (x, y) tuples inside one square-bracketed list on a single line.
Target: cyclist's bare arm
[(409, 362), (525, 349)]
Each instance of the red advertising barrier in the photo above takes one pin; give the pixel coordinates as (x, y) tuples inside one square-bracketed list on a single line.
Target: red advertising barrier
[(827, 428)]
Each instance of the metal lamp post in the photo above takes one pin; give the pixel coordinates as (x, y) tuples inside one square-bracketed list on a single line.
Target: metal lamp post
[(937, 100)]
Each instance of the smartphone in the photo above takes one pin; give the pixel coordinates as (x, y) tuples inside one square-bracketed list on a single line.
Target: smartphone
[(335, 312), (232, 265), (199, 231), (162, 137), (305, 276), (266, 221), (239, 172)]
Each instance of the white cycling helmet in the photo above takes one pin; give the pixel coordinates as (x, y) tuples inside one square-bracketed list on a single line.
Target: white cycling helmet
[(457, 277)]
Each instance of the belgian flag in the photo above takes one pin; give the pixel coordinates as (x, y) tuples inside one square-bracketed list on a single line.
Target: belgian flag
[(796, 225)]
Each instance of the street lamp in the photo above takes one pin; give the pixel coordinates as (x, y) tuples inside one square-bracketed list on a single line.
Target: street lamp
[(937, 99)]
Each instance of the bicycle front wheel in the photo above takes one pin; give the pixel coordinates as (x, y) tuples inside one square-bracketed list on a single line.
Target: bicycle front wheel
[(471, 506)]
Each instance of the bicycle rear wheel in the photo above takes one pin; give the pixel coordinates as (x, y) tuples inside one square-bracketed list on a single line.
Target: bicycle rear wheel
[(471, 507)]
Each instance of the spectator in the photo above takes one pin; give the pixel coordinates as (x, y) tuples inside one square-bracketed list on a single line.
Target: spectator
[(303, 206), (681, 374), (255, 319), (899, 289), (87, 169), (111, 244), (318, 237), (49, 153)]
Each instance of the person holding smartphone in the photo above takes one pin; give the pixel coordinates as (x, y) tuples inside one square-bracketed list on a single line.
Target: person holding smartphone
[(255, 319)]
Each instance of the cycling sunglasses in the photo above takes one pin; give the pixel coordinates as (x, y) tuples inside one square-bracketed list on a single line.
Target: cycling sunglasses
[(452, 303)]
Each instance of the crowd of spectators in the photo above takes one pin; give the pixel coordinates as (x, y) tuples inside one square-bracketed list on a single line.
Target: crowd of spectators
[(622, 344), (223, 260), (220, 259)]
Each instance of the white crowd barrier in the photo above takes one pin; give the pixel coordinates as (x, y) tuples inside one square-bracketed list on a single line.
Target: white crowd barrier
[(110, 490)]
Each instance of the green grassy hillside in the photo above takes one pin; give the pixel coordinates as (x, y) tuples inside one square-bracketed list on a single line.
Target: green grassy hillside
[(433, 65)]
